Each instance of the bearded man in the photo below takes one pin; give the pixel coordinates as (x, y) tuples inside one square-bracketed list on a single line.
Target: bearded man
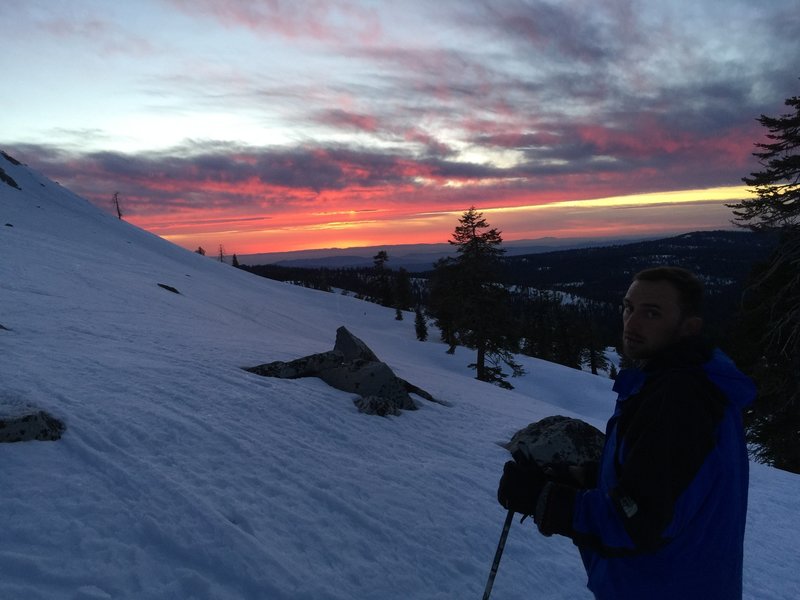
[(664, 515)]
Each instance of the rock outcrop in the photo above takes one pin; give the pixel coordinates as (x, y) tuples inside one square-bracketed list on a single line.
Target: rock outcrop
[(558, 442), (352, 367), (7, 179), (37, 425), (169, 288)]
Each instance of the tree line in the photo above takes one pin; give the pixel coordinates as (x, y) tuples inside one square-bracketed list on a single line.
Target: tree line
[(471, 307), (379, 284)]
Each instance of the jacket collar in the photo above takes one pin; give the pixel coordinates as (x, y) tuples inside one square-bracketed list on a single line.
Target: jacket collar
[(691, 351), (687, 352)]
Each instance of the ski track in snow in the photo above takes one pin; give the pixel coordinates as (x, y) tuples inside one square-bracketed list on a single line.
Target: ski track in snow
[(182, 476)]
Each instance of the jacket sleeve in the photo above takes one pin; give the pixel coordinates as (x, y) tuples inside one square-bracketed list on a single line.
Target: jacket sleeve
[(660, 470)]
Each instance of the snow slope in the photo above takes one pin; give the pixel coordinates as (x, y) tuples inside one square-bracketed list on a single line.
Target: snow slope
[(181, 476)]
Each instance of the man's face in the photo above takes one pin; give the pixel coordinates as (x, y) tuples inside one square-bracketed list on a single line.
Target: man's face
[(652, 319)]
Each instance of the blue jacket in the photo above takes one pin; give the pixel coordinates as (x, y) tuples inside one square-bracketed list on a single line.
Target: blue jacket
[(667, 517)]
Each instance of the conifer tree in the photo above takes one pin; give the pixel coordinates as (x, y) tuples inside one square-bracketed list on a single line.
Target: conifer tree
[(402, 290), (777, 187), (380, 260), (420, 325), (593, 353), (470, 304), (770, 323), (383, 286), (612, 373), (443, 302)]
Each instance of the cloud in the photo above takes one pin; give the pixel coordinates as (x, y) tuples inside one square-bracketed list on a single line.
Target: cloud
[(545, 102), (543, 27), (561, 162), (329, 20), (222, 175), (108, 36), (348, 120)]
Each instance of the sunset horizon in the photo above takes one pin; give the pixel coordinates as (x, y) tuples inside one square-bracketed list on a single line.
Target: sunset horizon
[(271, 127), (437, 227)]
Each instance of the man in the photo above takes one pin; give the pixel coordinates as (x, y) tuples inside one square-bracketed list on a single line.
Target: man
[(664, 516)]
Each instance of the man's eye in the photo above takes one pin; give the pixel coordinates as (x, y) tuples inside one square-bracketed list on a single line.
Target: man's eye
[(653, 314)]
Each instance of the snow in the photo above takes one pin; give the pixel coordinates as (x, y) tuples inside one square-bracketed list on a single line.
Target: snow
[(182, 476)]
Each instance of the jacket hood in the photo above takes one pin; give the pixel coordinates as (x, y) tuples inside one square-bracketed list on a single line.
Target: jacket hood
[(737, 387), (688, 351)]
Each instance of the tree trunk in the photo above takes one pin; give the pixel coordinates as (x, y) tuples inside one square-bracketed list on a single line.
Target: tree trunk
[(593, 358), (480, 362)]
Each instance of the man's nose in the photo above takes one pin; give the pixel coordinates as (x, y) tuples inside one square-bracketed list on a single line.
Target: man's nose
[(631, 321)]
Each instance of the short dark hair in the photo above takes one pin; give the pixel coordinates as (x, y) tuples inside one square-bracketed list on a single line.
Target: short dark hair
[(688, 285)]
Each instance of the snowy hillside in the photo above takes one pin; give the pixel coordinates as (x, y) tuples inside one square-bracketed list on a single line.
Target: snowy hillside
[(182, 476)]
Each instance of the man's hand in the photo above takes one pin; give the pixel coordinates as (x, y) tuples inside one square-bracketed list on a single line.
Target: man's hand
[(583, 477), (520, 486)]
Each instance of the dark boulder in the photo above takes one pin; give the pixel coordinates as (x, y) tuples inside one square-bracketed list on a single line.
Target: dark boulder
[(38, 425), (352, 367), (7, 179)]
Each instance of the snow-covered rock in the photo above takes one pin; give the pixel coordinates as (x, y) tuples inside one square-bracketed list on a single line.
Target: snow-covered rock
[(557, 442)]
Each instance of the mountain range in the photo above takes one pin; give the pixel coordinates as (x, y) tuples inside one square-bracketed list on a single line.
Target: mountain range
[(412, 257)]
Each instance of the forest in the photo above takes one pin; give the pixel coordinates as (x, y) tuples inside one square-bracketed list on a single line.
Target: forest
[(565, 304)]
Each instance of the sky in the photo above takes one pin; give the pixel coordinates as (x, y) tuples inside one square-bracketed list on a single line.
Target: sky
[(270, 125)]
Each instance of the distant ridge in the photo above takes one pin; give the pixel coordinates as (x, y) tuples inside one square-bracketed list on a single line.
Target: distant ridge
[(415, 257)]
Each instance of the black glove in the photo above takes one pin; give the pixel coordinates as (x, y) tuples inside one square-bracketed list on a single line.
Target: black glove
[(583, 477), (520, 486)]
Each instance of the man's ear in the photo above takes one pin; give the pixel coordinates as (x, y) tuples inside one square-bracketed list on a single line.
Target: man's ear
[(691, 326)]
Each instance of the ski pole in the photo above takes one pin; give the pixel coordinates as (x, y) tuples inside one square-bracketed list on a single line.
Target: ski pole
[(497, 555)]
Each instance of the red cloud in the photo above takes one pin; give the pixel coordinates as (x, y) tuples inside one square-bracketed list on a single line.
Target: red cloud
[(258, 191), (317, 19), (347, 120)]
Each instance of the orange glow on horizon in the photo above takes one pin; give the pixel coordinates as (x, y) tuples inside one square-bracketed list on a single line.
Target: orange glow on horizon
[(336, 226)]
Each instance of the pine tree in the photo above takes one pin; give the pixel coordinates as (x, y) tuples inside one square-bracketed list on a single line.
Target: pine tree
[(468, 302), (444, 301), (479, 249), (420, 325), (380, 260), (612, 373), (593, 353), (538, 326), (235, 261), (402, 290), (777, 187), (383, 286), (770, 321)]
